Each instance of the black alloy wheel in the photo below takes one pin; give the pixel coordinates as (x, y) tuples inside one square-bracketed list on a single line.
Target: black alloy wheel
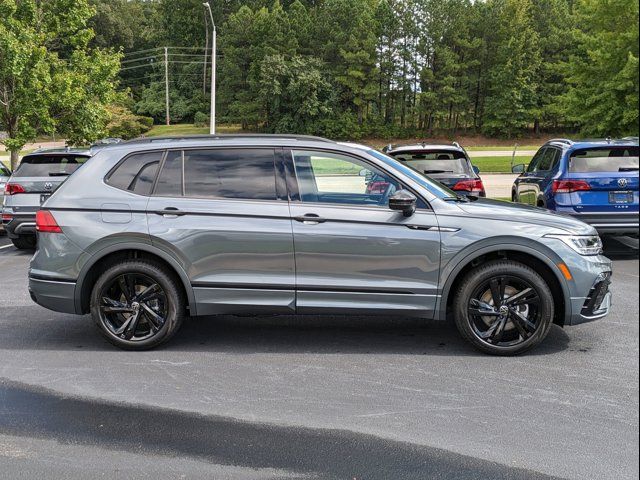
[(503, 307), (138, 304), (504, 311), (133, 307)]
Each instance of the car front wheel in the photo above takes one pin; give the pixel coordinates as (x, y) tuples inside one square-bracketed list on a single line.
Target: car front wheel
[(503, 308), (137, 305)]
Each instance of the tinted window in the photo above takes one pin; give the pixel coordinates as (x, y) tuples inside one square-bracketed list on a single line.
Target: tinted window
[(137, 173), (170, 179), (436, 161), (333, 178), (49, 165), (233, 173), (617, 159), (4, 172), (537, 158), (548, 160)]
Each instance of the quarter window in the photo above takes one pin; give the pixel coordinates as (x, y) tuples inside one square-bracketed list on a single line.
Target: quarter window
[(137, 173)]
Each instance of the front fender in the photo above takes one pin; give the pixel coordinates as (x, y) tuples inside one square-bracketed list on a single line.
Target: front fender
[(457, 263)]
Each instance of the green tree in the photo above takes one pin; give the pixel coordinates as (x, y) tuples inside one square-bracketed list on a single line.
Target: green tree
[(603, 72), (50, 81), (511, 101)]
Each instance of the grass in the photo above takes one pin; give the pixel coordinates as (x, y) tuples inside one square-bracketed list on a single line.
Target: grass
[(502, 148), (189, 129), (498, 164)]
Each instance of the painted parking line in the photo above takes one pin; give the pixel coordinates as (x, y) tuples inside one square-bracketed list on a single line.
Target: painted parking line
[(6, 246)]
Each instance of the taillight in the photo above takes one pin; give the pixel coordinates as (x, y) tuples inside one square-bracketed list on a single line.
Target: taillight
[(471, 186), (13, 189), (46, 223), (569, 186), (7, 217)]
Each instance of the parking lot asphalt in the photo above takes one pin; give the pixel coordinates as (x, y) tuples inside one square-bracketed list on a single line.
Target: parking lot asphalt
[(315, 397)]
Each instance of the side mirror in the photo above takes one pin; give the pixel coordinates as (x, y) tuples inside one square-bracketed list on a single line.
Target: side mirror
[(476, 170), (403, 201), (518, 168)]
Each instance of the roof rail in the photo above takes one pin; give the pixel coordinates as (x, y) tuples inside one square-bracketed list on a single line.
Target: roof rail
[(226, 137), (561, 140)]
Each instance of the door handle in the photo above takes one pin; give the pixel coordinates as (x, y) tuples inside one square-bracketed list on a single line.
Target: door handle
[(170, 212), (310, 219)]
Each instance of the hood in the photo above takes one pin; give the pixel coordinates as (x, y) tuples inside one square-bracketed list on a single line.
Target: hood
[(516, 212)]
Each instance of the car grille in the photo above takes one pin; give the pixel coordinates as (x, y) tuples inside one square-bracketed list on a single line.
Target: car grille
[(596, 295)]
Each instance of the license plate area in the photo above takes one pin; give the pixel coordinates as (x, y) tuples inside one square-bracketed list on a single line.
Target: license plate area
[(621, 197), (44, 197)]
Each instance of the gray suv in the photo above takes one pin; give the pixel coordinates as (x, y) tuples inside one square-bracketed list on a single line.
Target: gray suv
[(39, 174), (150, 231)]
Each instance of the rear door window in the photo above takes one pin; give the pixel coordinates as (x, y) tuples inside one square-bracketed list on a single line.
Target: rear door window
[(137, 173), (548, 161), (611, 159), (170, 182), (230, 173), (43, 165)]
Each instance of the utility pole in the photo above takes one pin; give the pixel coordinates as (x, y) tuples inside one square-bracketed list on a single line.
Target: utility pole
[(166, 83), (212, 124), (206, 50)]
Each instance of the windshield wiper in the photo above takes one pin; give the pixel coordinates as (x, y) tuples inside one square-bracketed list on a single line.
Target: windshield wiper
[(437, 171), (56, 174)]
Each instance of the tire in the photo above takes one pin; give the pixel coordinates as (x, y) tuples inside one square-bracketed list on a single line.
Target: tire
[(24, 242), (120, 300), (514, 196), (501, 330)]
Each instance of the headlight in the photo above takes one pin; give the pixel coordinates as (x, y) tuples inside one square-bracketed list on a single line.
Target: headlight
[(583, 244)]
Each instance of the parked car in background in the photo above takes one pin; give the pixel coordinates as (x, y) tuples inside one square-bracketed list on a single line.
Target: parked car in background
[(38, 175), (595, 181), (5, 173), (447, 164), (150, 231)]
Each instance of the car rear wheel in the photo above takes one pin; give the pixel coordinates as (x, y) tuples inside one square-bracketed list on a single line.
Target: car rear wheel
[(503, 308), (137, 305), (24, 242)]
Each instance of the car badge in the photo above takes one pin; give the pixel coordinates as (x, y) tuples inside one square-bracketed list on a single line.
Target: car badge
[(48, 186), (622, 182)]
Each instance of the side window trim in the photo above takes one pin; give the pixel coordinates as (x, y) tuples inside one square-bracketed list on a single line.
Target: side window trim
[(292, 181)]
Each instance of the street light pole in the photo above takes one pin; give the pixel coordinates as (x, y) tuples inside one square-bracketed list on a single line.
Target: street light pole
[(212, 124)]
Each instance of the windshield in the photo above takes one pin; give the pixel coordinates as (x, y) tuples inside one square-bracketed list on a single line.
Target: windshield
[(49, 165), (610, 159), (435, 188), (435, 161)]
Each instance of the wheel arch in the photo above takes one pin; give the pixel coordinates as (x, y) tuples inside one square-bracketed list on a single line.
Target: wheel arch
[(543, 262), (92, 268)]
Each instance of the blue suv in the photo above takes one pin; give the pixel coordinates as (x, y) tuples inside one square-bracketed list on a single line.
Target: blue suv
[(595, 181)]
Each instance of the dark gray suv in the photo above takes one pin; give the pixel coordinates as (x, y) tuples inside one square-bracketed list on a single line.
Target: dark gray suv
[(150, 231)]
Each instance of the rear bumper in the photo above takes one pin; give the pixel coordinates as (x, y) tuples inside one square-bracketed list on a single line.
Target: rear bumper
[(611, 223), (56, 295), (21, 224)]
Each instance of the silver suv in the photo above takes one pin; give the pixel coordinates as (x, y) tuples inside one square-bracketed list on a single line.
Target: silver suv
[(150, 231), (39, 174)]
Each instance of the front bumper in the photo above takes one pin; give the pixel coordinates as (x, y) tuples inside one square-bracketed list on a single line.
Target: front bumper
[(596, 304), (56, 295)]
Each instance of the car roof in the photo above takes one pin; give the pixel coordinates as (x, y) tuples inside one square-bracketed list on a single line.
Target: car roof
[(60, 151), (593, 142)]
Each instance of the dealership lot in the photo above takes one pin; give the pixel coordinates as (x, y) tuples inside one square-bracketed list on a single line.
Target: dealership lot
[(400, 393)]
